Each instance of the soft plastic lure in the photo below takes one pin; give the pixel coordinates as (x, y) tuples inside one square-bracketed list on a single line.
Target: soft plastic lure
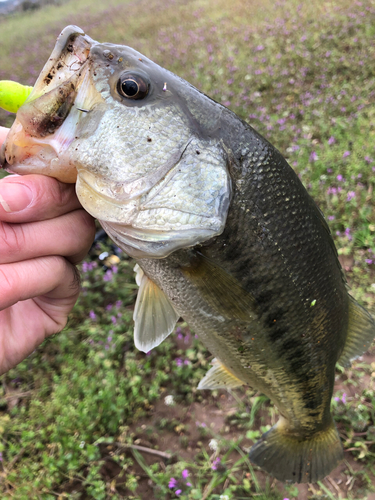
[(13, 95)]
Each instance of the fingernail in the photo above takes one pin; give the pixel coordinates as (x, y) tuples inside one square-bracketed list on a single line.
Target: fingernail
[(15, 197)]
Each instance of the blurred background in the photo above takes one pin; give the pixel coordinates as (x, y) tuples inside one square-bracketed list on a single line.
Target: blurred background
[(87, 416)]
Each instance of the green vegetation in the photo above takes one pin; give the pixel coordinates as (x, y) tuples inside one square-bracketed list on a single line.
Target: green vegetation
[(76, 415)]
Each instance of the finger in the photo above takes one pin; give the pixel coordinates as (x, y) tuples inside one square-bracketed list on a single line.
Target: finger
[(28, 322), (53, 276), (70, 235), (35, 197), (3, 133)]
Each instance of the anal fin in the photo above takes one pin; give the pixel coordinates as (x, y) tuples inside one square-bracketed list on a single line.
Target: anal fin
[(154, 316), (361, 332), (219, 377)]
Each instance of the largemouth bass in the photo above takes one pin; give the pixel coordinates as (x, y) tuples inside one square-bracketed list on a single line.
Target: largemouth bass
[(223, 232)]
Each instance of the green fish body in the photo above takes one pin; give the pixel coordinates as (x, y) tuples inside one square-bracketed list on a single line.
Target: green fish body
[(223, 232)]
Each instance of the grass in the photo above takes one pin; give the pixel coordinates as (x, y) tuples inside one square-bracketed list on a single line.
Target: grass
[(72, 413)]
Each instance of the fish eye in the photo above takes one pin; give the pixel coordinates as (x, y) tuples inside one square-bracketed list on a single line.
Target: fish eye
[(132, 86)]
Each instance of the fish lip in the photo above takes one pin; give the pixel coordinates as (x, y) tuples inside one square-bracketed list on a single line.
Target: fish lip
[(72, 48), (84, 177), (56, 88), (48, 117)]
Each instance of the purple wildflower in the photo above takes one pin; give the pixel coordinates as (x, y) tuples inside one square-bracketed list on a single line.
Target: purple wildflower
[(178, 361), (92, 314), (108, 275), (331, 217), (178, 492), (331, 140), (368, 261), (215, 463), (313, 156), (109, 307), (172, 483), (351, 195), (200, 424), (113, 319), (339, 178), (185, 473), (343, 399), (346, 154)]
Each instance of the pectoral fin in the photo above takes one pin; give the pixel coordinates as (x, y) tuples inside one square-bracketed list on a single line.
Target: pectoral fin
[(219, 377), (361, 332), (154, 315), (220, 289)]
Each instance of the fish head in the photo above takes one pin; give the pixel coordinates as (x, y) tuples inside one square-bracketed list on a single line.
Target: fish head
[(141, 144)]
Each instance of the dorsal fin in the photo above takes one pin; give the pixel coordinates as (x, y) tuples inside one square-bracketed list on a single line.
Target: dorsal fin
[(219, 377), (154, 316), (361, 332)]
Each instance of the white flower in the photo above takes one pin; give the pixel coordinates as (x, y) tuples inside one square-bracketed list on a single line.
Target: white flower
[(213, 445), (82, 444), (169, 400), (223, 497)]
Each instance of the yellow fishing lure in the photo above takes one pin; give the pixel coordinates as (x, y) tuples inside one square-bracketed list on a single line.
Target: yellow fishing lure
[(13, 95)]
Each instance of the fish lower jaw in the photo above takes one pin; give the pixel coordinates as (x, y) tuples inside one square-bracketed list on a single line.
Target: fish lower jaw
[(138, 236), (153, 244)]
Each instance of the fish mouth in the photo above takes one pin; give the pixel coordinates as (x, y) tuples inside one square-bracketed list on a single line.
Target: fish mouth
[(45, 124)]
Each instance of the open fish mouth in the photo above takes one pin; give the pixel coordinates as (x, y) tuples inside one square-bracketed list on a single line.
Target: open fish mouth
[(102, 116), (45, 124)]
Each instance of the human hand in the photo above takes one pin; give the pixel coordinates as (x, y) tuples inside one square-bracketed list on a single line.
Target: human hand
[(44, 232)]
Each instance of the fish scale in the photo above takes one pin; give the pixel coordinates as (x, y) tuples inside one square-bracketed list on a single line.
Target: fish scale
[(223, 232)]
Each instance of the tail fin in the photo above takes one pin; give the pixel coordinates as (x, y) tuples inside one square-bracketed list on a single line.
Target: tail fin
[(289, 458)]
